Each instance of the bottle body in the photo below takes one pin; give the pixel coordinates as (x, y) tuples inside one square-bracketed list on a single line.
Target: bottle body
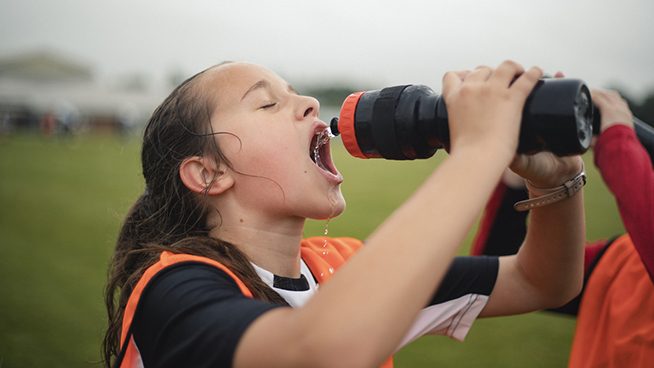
[(410, 122)]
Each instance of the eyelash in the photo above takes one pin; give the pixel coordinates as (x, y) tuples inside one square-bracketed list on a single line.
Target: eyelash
[(267, 106)]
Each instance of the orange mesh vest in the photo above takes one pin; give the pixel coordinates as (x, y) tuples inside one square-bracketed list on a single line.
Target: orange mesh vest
[(615, 324), (323, 259)]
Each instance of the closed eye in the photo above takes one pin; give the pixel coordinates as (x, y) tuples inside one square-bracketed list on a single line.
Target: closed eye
[(269, 105)]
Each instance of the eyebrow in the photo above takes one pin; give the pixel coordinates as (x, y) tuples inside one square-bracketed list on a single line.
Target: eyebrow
[(265, 84)]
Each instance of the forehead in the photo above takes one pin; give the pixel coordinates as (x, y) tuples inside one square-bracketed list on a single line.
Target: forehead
[(228, 82)]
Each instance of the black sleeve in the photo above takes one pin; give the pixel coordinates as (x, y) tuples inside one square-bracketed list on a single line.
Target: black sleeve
[(468, 275), (192, 315), (509, 227)]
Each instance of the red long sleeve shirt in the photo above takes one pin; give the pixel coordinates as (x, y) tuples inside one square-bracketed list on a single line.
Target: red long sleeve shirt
[(628, 173)]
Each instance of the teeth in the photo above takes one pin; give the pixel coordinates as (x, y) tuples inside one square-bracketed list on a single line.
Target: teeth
[(323, 137), (314, 148), (320, 139)]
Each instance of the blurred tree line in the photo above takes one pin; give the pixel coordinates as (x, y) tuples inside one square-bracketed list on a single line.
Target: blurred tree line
[(330, 95)]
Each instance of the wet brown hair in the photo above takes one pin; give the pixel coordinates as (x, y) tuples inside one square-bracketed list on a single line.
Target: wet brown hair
[(168, 216)]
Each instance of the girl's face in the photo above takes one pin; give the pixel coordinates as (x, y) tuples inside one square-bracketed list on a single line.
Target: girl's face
[(272, 137)]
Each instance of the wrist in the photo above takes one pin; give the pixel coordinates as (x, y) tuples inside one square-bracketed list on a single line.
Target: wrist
[(568, 170), (542, 196), (627, 123)]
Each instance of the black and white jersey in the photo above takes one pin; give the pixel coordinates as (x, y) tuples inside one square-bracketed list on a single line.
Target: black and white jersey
[(193, 314)]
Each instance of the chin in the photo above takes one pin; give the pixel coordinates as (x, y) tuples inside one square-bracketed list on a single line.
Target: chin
[(337, 210), (329, 212), (338, 206)]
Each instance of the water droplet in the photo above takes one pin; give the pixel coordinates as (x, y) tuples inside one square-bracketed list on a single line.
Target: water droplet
[(331, 269), (325, 232), (326, 227)]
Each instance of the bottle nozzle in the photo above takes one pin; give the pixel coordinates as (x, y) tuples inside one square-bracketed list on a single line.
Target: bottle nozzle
[(333, 127)]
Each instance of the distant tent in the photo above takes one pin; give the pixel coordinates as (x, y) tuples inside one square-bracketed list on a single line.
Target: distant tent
[(44, 86), (43, 67)]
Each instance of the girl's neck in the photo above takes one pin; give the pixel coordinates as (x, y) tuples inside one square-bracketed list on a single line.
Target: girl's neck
[(271, 246)]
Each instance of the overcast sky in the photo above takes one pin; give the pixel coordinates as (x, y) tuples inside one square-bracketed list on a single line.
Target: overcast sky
[(362, 43)]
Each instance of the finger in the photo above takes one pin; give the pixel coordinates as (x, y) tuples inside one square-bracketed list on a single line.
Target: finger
[(608, 94), (451, 81), (462, 73), (613, 93), (517, 159), (616, 97), (507, 72), (599, 97), (519, 163), (481, 73), (602, 101), (512, 180), (459, 73), (559, 74), (526, 81)]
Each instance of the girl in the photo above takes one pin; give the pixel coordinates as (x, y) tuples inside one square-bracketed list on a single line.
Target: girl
[(211, 255)]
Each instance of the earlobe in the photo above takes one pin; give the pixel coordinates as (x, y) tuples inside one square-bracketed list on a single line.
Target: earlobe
[(200, 175)]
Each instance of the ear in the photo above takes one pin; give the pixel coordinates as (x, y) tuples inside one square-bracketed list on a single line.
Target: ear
[(200, 174)]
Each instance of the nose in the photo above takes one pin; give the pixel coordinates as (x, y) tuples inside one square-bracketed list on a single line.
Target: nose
[(307, 106)]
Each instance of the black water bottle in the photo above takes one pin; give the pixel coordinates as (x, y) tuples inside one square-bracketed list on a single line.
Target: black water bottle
[(410, 121)]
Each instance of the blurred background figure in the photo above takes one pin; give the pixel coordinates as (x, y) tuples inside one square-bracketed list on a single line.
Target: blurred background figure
[(48, 124), (615, 318)]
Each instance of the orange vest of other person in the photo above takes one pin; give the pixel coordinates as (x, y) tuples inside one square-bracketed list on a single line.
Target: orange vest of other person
[(615, 324), (323, 259)]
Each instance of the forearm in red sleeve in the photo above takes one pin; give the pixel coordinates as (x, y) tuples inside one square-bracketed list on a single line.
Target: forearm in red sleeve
[(627, 171)]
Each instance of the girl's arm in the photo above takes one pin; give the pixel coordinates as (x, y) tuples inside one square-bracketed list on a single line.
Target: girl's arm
[(502, 230), (548, 269), (627, 170), (360, 316)]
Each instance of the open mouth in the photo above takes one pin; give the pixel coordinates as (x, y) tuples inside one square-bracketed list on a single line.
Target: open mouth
[(320, 154)]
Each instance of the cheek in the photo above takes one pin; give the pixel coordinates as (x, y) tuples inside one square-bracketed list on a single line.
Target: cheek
[(280, 162), (265, 167), (259, 153)]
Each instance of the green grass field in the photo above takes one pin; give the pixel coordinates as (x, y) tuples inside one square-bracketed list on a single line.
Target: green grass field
[(62, 202)]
